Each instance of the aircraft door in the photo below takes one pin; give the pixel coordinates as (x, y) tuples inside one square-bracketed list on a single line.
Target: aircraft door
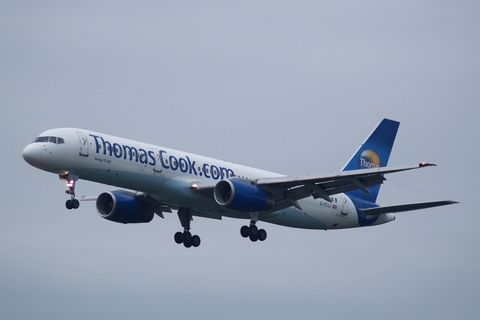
[(344, 205), (158, 162), (83, 141)]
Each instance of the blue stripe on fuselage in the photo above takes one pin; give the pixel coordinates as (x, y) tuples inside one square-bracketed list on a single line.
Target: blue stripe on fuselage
[(363, 204)]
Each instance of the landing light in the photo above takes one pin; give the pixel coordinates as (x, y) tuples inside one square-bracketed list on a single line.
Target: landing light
[(194, 185)]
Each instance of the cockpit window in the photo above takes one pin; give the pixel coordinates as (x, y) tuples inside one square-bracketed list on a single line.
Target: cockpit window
[(56, 140), (42, 139)]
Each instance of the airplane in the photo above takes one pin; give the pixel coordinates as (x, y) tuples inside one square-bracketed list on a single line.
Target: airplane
[(158, 180)]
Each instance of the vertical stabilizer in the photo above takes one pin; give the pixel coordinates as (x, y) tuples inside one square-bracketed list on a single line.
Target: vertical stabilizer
[(374, 152)]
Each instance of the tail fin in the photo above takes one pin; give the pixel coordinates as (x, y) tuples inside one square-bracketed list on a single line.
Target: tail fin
[(374, 152)]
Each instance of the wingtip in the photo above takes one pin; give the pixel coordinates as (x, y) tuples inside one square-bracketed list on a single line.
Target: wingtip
[(426, 164), (452, 202)]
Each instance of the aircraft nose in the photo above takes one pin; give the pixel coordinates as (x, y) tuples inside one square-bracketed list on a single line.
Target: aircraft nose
[(32, 154)]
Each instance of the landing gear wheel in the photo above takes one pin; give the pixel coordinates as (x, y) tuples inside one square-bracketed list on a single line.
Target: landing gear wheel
[(195, 241), (187, 244), (178, 237), (72, 204), (187, 236), (245, 231), (187, 239), (262, 235), (253, 231)]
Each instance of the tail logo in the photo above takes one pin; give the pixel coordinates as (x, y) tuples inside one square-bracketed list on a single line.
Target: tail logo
[(368, 159)]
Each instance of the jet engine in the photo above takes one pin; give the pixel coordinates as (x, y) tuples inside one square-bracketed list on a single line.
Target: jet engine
[(242, 196), (122, 208)]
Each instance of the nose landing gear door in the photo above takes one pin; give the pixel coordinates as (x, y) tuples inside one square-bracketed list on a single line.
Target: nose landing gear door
[(83, 142)]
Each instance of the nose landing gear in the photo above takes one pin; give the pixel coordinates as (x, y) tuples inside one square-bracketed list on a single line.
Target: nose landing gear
[(72, 203)]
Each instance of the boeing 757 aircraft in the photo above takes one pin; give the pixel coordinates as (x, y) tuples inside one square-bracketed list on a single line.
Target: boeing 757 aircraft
[(155, 180)]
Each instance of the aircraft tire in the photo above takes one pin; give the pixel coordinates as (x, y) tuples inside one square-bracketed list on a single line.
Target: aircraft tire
[(253, 231), (187, 243), (245, 231), (262, 234), (195, 241), (187, 236), (254, 237), (178, 237), (75, 204), (68, 204)]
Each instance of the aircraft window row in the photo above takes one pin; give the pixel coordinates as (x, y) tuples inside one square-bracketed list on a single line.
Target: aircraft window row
[(201, 169), (56, 140), (117, 150), (173, 163)]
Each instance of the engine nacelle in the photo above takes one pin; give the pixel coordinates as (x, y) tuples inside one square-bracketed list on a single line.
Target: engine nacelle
[(122, 208), (241, 196)]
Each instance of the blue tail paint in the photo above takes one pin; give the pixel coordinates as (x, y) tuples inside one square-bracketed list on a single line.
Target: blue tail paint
[(374, 152)]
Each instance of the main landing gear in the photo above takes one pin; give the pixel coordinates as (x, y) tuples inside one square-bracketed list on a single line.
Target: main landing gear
[(253, 232), (72, 203), (185, 237)]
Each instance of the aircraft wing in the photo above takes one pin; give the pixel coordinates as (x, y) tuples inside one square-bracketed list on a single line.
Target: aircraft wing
[(288, 190), (406, 207)]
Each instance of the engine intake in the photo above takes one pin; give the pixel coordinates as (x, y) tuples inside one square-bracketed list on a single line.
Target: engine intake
[(242, 196), (122, 208)]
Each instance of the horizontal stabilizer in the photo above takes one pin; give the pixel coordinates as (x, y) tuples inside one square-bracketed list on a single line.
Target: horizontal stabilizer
[(89, 198), (406, 207)]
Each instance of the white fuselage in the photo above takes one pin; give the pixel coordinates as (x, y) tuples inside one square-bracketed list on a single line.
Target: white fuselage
[(167, 175)]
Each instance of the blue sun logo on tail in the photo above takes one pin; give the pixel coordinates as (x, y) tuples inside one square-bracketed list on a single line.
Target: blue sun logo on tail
[(368, 159)]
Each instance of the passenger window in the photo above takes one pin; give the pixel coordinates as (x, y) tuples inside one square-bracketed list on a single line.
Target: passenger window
[(53, 140), (60, 140)]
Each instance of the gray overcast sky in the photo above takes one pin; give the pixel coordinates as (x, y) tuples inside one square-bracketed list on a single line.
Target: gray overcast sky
[(292, 87)]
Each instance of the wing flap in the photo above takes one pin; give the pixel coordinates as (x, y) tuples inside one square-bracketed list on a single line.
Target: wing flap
[(322, 186)]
